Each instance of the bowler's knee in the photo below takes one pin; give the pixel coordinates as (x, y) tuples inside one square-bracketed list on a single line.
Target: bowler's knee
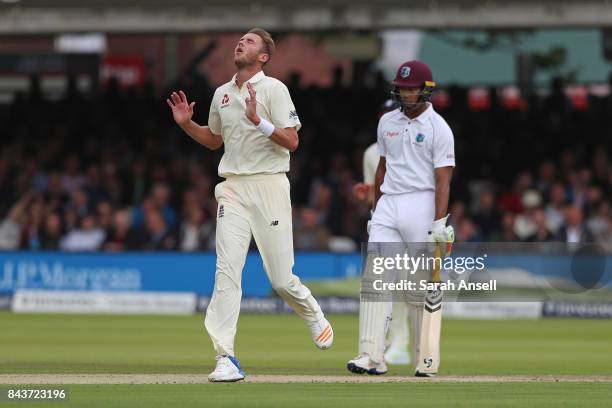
[(286, 285)]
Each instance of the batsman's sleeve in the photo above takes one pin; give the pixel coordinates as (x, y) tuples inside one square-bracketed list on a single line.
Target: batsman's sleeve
[(443, 147), (382, 151), (282, 111), (214, 119)]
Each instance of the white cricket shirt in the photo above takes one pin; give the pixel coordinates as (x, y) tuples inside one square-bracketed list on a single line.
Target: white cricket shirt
[(246, 149), (370, 164), (413, 148)]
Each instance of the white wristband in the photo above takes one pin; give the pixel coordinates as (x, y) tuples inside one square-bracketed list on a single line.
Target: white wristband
[(266, 127)]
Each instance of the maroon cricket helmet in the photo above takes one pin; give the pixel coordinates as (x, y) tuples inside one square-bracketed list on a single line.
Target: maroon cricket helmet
[(413, 74)]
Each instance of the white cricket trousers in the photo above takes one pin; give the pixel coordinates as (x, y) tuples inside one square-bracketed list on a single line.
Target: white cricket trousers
[(397, 218), (257, 205)]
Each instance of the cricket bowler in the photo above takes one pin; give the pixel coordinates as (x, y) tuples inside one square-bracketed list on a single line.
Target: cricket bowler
[(255, 120), (411, 193)]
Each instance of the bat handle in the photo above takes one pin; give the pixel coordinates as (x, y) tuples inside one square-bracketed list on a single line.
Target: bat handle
[(437, 265)]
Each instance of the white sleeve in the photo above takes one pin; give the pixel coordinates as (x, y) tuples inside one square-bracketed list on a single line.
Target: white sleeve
[(370, 163), (214, 119), (382, 151), (443, 148), (282, 111)]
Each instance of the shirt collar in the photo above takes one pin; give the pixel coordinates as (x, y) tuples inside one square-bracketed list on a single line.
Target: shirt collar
[(254, 79), (422, 118)]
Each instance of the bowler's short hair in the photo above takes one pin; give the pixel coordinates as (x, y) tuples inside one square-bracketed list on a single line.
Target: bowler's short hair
[(268, 43)]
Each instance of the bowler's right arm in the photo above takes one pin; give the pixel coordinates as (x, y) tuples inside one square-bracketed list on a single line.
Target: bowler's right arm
[(182, 111)]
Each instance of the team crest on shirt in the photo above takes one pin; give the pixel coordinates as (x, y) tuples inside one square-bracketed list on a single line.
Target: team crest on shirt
[(405, 72), (225, 101), (420, 137)]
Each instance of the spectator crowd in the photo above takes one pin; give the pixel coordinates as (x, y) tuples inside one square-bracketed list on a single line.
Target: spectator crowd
[(109, 171)]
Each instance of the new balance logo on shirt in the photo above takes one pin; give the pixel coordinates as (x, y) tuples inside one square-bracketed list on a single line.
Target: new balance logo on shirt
[(221, 211), (274, 223)]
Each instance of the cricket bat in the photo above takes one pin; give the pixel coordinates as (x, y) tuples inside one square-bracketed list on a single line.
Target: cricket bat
[(429, 353)]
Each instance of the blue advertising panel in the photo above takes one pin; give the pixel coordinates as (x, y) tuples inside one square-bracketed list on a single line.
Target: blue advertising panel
[(174, 272)]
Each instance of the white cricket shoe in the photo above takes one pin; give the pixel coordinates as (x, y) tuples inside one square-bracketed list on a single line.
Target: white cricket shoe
[(322, 333), (397, 356), (227, 370), (362, 364)]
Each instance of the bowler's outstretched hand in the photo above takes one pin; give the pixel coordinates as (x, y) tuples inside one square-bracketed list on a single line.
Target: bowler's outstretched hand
[(182, 110)]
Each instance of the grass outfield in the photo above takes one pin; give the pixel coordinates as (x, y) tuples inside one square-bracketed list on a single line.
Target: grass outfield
[(281, 345)]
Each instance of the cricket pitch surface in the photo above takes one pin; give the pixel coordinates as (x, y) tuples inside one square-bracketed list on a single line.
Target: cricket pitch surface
[(102, 379)]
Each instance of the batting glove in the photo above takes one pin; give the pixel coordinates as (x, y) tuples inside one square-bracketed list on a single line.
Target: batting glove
[(443, 235)]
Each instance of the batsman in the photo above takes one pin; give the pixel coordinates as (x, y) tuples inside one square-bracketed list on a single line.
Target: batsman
[(412, 187)]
